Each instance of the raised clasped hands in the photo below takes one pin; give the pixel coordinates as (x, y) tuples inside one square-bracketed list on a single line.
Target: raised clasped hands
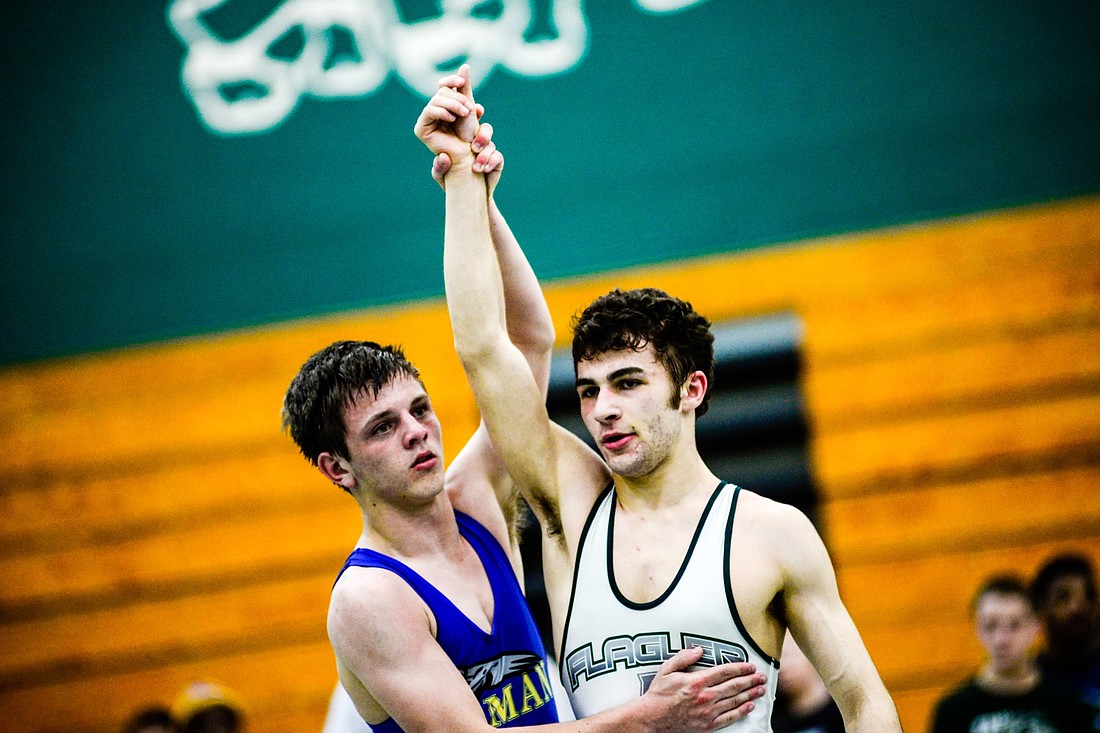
[(450, 126)]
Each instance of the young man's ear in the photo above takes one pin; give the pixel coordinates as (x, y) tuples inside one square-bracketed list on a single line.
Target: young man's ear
[(336, 470), (693, 391)]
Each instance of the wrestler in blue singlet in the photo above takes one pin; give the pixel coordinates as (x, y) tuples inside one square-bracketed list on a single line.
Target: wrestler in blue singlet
[(505, 669)]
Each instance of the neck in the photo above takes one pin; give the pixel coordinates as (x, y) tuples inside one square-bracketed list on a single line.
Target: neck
[(1014, 680), (409, 531), (681, 477)]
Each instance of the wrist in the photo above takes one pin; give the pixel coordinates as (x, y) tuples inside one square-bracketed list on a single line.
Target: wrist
[(635, 717), (464, 165)]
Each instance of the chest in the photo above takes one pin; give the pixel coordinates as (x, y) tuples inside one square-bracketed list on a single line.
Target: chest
[(648, 555), (462, 579), (647, 560), (697, 569)]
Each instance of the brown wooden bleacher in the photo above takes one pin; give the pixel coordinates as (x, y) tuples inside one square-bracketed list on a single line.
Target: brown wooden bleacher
[(158, 527), (956, 419), (172, 532)]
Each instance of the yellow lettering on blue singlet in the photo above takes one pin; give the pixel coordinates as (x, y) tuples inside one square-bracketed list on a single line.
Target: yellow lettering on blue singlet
[(547, 688), (529, 694), (501, 709)]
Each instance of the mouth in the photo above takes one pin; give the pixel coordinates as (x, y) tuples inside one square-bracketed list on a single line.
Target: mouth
[(424, 461), (616, 441)]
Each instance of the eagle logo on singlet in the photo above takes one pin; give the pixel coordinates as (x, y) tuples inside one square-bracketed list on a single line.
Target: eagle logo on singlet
[(489, 674), (510, 686)]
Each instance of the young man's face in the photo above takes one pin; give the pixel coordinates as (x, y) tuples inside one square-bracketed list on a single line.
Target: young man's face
[(1006, 628), (1068, 611), (395, 442), (626, 404)]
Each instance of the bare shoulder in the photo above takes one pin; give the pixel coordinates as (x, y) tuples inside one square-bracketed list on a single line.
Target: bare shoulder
[(373, 602), (781, 531), (757, 513)]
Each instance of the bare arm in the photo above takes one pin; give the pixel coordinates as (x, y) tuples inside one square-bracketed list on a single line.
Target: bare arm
[(824, 630), (530, 329), (477, 473), (392, 666), (526, 314), (527, 317), (509, 395)]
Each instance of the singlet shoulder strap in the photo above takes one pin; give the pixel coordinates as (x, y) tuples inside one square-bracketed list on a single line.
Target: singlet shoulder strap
[(727, 557), (494, 558), (605, 496)]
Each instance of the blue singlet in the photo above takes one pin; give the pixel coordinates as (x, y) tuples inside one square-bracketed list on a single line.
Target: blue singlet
[(505, 669)]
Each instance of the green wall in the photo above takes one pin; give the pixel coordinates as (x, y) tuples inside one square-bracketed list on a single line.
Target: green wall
[(728, 125)]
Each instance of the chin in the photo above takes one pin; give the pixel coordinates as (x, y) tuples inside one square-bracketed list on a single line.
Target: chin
[(628, 466)]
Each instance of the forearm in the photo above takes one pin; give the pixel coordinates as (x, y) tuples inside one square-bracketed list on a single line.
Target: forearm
[(863, 699), (874, 716), (629, 718), (528, 319), (475, 298)]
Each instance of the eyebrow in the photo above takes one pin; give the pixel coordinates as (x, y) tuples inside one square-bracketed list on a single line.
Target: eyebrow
[(375, 419), (617, 374)]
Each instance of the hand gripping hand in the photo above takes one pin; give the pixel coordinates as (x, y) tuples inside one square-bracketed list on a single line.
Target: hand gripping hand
[(449, 127)]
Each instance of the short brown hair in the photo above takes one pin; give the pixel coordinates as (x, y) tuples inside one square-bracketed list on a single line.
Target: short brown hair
[(1005, 584), (330, 380)]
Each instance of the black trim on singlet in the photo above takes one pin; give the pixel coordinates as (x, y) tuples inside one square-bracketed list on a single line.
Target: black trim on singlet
[(577, 570), (729, 583), (683, 565)]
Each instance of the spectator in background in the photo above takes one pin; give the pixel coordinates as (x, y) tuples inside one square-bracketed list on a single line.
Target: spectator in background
[(207, 707), (802, 703), (1064, 594), (152, 719), (1009, 694)]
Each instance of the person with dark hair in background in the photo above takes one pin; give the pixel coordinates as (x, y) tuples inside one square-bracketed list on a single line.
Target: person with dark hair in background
[(1008, 694), (205, 706), (427, 618), (1064, 594), (152, 719), (645, 551), (802, 702)]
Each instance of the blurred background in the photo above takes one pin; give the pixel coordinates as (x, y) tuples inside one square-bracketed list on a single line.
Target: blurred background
[(891, 212)]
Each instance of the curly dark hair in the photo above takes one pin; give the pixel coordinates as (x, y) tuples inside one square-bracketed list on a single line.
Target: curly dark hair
[(631, 319), (330, 380)]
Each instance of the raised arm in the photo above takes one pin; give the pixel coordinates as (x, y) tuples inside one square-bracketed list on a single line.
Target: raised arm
[(449, 127), (526, 314), (494, 301), (824, 630), (507, 394)]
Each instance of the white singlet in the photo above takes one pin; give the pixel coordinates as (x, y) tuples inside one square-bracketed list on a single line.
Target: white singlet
[(612, 647)]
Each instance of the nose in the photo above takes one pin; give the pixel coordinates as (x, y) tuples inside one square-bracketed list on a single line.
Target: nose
[(415, 431), (606, 408)]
